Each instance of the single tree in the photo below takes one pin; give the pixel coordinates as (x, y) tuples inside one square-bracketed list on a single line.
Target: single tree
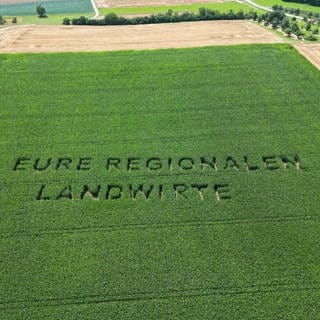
[(308, 26), (288, 31), (41, 11), (285, 24), (275, 23), (296, 30), (66, 21), (111, 19)]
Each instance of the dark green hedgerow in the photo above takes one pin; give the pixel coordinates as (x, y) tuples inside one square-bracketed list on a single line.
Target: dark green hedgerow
[(276, 19), (168, 17)]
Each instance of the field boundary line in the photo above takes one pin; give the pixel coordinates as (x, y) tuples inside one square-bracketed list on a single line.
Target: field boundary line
[(165, 294), (190, 223)]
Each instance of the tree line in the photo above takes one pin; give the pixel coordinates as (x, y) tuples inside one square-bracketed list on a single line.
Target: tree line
[(168, 17), (278, 19)]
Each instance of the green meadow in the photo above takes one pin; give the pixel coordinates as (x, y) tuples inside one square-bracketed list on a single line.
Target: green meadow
[(222, 7), (167, 184), (285, 4), (52, 19)]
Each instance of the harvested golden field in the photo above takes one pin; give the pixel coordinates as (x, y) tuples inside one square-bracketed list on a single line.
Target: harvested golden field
[(87, 38), (311, 52)]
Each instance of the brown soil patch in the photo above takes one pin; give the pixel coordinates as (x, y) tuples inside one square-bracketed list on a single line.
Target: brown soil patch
[(156, 36), (311, 52), (142, 3)]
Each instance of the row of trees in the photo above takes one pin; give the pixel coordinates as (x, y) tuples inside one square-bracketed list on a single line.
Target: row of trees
[(168, 17), (297, 12), (41, 11), (278, 19)]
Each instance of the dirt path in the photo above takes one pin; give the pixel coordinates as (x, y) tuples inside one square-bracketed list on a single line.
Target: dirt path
[(142, 3), (311, 52), (90, 38), (95, 9)]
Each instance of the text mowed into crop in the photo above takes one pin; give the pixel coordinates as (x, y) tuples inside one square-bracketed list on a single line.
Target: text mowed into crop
[(171, 184)]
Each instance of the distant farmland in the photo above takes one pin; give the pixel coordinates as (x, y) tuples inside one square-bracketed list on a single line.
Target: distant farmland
[(28, 7), (167, 184)]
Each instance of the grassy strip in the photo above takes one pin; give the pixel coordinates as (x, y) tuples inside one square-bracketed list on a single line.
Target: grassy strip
[(301, 6), (57, 18), (170, 16), (222, 7), (53, 19)]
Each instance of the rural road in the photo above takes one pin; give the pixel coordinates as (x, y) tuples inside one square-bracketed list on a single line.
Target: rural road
[(96, 11)]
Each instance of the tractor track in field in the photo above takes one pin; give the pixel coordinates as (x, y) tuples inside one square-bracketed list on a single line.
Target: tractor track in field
[(174, 224), (160, 295)]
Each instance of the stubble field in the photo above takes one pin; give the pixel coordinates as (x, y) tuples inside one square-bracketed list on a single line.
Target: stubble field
[(176, 35), (311, 52), (168, 184)]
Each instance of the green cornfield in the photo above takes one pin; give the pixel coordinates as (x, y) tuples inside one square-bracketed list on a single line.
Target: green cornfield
[(166, 184)]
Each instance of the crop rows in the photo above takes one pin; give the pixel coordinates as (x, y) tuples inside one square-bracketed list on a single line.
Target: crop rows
[(189, 253)]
